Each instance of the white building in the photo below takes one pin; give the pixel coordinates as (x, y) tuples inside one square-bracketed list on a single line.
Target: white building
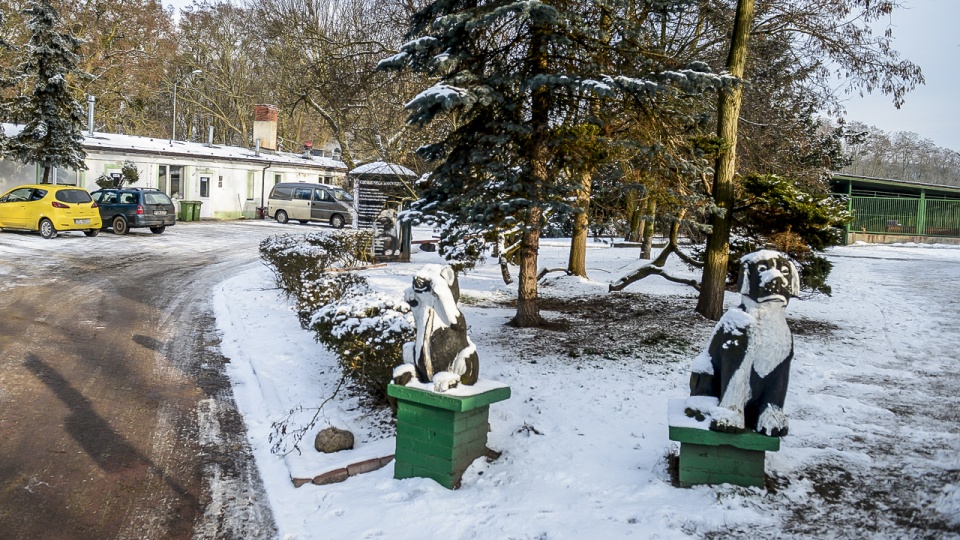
[(231, 182)]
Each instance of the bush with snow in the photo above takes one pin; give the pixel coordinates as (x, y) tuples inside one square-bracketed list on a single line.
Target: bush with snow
[(367, 330), (301, 259)]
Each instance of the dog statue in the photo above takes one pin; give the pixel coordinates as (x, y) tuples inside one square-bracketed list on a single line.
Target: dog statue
[(388, 232), (442, 353), (740, 381)]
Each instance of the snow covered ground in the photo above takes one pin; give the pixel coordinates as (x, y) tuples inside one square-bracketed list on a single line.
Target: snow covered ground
[(873, 449)]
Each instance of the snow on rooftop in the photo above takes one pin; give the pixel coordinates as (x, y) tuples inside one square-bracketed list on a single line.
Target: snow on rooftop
[(381, 167), (131, 143)]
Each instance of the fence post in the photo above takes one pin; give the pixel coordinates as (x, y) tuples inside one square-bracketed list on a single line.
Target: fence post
[(922, 214)]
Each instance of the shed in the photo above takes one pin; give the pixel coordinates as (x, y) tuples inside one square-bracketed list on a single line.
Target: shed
[(889, 211), (380, 191)]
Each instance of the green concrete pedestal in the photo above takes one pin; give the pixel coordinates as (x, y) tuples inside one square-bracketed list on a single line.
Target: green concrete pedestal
[(712, 457), (439, 435)]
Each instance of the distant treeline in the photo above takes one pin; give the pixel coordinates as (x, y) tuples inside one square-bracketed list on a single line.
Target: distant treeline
[(901, 156)]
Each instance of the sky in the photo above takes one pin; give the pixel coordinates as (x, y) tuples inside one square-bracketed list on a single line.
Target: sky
[(925, 33)]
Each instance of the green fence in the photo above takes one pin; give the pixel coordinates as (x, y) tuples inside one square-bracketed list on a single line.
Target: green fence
[(905, 215), (942, 218)]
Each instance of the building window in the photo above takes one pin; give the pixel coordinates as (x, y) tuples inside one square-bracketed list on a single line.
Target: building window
[(162, 178), (204, 186), (176, 190), (66, 177), (277, 178)]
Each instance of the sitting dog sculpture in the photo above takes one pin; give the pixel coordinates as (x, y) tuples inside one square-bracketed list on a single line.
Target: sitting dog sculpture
[(442, 352), (740, 381)]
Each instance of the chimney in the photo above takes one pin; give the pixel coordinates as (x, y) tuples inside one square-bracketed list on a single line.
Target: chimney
[(307, 149), (91, 101), (265, 125), (210, 136)]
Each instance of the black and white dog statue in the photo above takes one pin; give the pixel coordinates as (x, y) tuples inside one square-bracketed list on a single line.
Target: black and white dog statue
[(740, 381), (442, 353)]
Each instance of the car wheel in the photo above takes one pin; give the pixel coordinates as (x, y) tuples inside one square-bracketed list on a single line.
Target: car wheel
[(47, 230), (337, 221), (281, 216), (158, 230), (92, 232), (120, 225)]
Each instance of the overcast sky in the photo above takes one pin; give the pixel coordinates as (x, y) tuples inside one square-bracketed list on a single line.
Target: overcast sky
[(926, 33)]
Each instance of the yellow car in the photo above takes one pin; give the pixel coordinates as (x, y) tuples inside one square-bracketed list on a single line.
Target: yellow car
[(49, 209)]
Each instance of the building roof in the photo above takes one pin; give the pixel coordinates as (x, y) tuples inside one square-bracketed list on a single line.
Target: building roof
[(131, 144), (905, 187), (382, 167)]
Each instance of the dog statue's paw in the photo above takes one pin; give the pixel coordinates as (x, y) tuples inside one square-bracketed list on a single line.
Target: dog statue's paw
[(699, 407), (403, 374), (726, 420), (772, 422), (697, 415), (444, 381)]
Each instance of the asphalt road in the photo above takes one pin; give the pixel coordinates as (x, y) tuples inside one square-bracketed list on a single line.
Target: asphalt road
[(116, 419)]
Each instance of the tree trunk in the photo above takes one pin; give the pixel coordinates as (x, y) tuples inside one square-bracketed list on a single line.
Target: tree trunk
[(635, 215), (46, 176), (528, 303), (577, 264), (648, 230), (713, 282), (538, 156)]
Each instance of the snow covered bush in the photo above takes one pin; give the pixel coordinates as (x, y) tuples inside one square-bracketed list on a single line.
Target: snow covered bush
[(367, 330), (327, 289), (801, 221), (301, 259)]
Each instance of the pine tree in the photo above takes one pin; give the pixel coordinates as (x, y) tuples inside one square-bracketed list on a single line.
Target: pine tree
[(5, 82), (52, 134), (515, 77)]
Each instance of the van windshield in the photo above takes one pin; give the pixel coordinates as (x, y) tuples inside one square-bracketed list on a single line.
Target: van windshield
[(342, 195)]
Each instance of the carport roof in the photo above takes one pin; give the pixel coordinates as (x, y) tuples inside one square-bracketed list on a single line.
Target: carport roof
[(382, 168), (889, 185)]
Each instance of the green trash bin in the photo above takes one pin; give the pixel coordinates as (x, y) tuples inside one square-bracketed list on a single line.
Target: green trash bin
[(190, 210)]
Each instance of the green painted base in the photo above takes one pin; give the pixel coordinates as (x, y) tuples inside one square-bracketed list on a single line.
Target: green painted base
[(439, 435), (711, 457)]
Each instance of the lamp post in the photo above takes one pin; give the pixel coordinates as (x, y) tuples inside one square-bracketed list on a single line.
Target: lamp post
[(173, 128)]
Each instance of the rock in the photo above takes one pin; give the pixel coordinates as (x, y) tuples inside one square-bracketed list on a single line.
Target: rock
[(332, 439)]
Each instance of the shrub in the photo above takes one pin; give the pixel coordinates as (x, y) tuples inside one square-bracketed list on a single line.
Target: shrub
[(798, 220), (367, 330), (327, 289), (298, 259)]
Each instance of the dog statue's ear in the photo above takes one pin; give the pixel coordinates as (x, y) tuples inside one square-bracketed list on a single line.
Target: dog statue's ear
[(450, 277), (743, 282), (794, 280)]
